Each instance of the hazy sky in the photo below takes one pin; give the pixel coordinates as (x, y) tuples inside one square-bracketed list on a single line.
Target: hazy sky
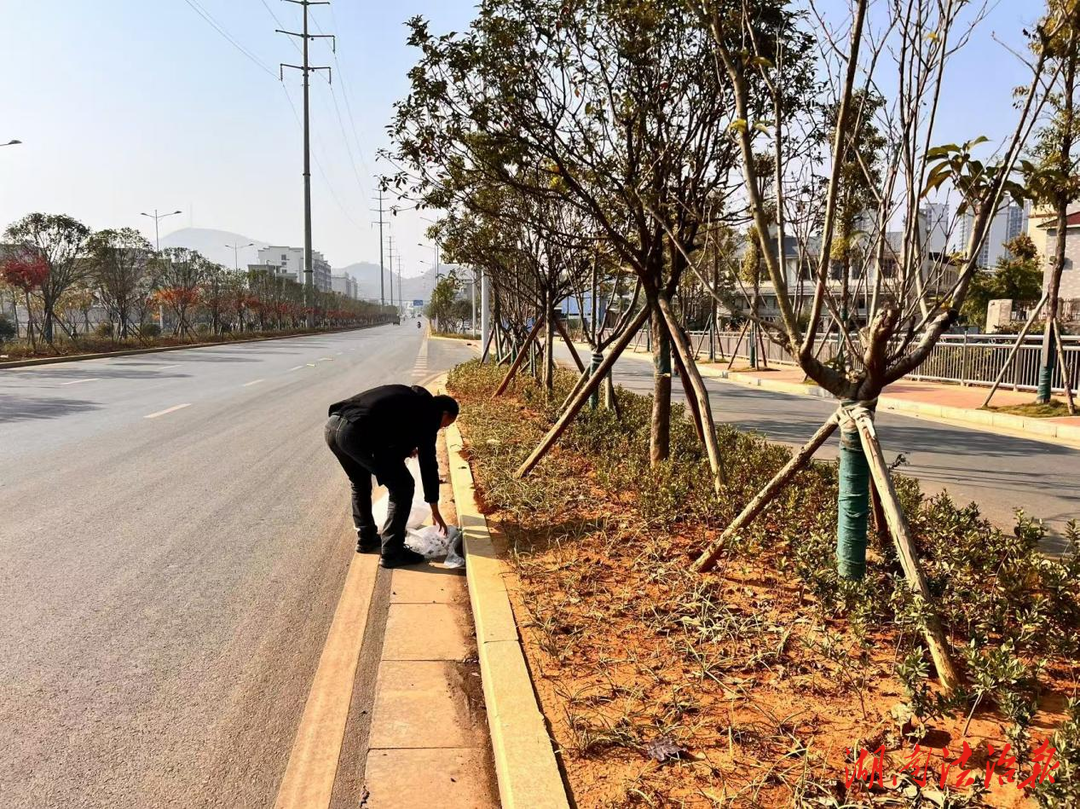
[(128, 105)]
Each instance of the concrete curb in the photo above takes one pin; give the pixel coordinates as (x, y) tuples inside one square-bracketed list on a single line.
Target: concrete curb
[(129, 352), (986, 421), (525, 765)]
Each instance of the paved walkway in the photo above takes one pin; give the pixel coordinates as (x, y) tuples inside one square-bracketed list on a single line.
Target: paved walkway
[(966, 396), (429, 742)]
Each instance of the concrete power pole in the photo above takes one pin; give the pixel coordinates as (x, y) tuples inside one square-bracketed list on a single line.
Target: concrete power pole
[(307, 69), (400, 296), (382, 266), (391, 269)]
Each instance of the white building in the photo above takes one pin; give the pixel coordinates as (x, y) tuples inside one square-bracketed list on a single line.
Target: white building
[(345, 284), (934, 227), (290, 261), (1009, 222)]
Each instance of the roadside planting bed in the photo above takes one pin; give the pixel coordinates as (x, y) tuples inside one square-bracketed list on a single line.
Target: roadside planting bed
[(759, 683)]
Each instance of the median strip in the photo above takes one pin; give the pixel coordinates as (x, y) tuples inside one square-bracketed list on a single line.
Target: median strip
[(168, 410)]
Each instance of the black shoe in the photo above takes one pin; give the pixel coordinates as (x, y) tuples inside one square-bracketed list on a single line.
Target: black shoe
[(402, 558), (363, 546)]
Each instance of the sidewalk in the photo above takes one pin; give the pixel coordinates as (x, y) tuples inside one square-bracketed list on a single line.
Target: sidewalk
[(429, 742), (951, 404)]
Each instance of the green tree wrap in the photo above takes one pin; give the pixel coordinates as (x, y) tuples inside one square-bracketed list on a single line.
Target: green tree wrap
[(853, 504)]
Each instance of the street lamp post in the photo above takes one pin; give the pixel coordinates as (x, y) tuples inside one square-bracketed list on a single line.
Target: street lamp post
[(236, 248), (157, 217)]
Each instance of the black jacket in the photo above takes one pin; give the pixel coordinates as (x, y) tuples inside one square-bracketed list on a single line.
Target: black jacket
[(393, 420)]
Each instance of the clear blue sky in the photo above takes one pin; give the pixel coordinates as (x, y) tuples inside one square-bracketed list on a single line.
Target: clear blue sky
[(128, 105)]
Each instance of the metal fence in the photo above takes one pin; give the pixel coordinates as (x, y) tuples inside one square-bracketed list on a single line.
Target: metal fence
[(974, 359)]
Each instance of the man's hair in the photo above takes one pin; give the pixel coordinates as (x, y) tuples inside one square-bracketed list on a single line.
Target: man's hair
[(447, 404)]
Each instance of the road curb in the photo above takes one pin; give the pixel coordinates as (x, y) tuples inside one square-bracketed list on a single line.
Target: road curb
[(130, 352), (987, 421), (525, 764)]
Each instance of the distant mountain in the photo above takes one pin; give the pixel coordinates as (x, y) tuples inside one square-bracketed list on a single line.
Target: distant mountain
[(211, 243), (367, 282)]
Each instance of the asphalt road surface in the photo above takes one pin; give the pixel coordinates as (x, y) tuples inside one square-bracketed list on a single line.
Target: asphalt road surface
[(174, 537), (1000, 473)]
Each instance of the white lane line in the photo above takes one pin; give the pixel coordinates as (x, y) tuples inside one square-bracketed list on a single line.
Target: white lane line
[(311, 365), (253, 382), (297, 367), (167, 410), (340, 353), (326, 359), (79, 381), (166, 367)]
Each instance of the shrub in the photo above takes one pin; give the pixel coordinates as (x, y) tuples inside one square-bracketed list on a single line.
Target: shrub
[(104, 329), (150, 330), (7, 329)]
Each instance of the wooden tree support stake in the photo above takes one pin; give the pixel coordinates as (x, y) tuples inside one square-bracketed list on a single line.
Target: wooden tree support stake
[(522, 355), (584, 393), (766, 495), (1016, 347), (1065, 378), (933, 632), (569, 344)]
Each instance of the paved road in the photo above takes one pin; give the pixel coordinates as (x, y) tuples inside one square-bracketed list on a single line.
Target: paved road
[(174, 537), (998, 472)]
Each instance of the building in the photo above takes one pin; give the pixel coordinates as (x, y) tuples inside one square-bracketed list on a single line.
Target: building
[(1008, 223), (1070, 274), (290, 261), (345, 284), (934, 227)]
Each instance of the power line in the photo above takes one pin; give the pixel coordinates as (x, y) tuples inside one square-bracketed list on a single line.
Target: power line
[(209, 18), (345, 95)]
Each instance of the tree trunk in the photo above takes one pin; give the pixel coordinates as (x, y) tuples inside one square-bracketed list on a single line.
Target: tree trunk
[(660, 424), (853, 503), (549, 345), (520, 358), (1048, 354)]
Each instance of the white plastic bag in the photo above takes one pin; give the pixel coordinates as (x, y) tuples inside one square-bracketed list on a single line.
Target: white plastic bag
[(419, 512), (430, 543)]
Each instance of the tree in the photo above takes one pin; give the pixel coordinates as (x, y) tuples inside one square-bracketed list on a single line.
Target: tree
[(1054, 179), (1017, 277), (26, 274), (121, 269), (58, 240), (609, 107), (442, 300), (181, 273)]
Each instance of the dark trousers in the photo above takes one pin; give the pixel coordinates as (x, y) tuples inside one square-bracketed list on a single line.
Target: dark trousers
[(360, 462)]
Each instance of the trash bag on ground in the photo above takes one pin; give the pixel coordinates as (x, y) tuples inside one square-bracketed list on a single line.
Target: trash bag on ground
[(419, 512), (430, 543)]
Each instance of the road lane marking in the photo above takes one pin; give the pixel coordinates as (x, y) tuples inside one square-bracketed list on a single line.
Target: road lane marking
[(340, 353), (311, 365), (168, 410), (78, 381), (309, 777), (253, 382), (326, 359), (167, 367), (297, 367)]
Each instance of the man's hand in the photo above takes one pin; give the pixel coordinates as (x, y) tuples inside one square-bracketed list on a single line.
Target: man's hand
[(437, 518)]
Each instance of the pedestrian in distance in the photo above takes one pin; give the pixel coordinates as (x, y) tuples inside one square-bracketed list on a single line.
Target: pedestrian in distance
[(373, 433)]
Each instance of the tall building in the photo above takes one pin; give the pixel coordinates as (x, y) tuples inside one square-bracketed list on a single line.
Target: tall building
[(934, 227), (1008, 223), (289, 261)]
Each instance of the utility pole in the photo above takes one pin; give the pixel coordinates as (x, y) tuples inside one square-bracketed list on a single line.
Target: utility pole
[(382, 266), (400, 301), (307, 69), (391, 270)]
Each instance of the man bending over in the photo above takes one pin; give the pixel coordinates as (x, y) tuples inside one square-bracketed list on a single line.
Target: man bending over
[(373, 433)]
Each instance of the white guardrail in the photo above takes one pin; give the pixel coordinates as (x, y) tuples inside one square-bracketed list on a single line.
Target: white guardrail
[(965, 359)]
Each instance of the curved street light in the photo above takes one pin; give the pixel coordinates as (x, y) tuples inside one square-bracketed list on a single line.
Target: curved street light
[(11, 142), (157, 217), (236, 248)]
